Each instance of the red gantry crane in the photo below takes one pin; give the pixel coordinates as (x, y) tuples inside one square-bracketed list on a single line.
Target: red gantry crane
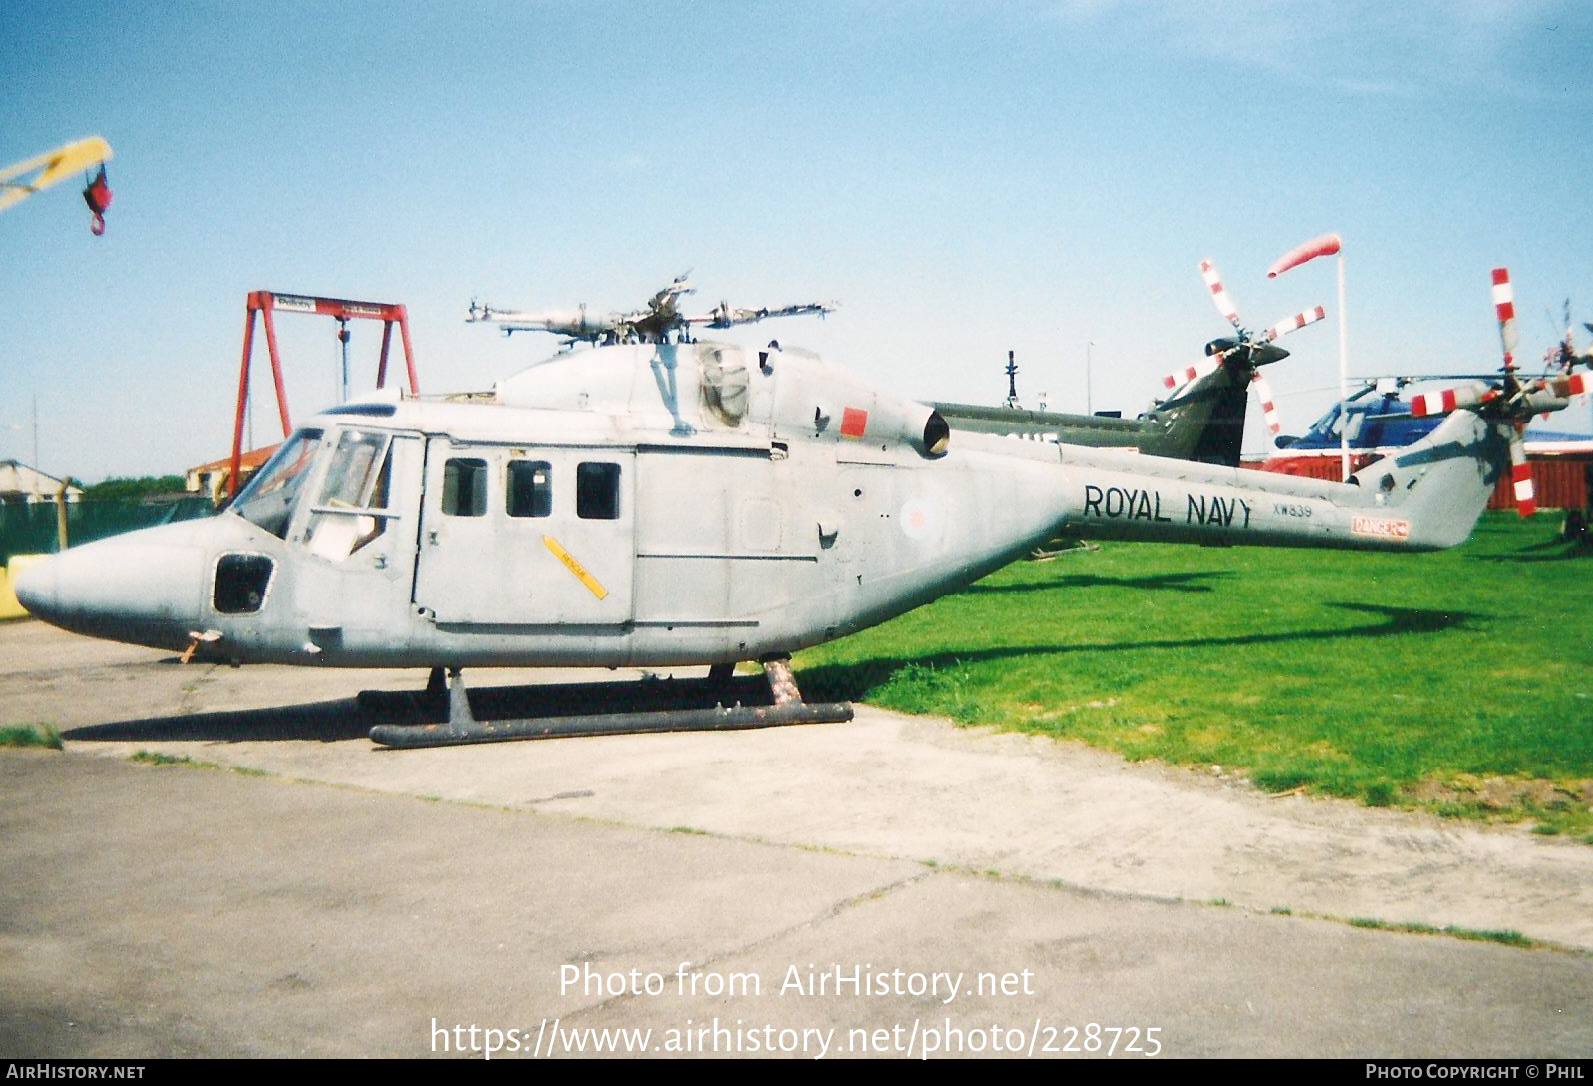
[(266, 303)]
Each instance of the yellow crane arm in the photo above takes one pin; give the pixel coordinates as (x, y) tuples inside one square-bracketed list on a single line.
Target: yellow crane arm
[(55, 166)]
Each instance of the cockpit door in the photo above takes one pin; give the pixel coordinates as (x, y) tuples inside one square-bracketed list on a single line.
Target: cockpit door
[(527, 535)]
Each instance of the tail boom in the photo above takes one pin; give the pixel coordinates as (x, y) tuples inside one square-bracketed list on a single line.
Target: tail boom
[(1429, 497)]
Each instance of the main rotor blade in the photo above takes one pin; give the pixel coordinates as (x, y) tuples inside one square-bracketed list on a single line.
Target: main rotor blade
[(1574, 384), (1219, 295), (1554, 393), (1192, 373), (1521, 475), (1294, 323), (1268, 411), (1450, 399), (1504, 305)]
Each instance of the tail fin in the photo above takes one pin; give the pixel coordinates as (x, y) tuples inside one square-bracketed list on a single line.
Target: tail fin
[(1206, 423), (1440, 485)]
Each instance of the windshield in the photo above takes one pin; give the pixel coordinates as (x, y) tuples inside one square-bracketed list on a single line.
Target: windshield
[(1325, 427), (268, 499)]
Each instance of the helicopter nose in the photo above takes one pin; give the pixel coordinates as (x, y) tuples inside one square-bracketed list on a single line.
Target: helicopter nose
[(127, 589)]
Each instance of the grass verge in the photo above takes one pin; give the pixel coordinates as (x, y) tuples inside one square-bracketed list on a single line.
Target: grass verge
[(31, 735), (1476, 935), (1459, 682), (155, 758)]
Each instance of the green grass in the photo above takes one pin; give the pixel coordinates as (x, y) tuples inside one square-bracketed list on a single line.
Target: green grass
[(150, 757), (155, 758), (1460, 681), (1505, 936), (31, 735)]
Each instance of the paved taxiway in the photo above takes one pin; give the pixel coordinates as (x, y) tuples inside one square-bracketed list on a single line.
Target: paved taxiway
[(350, 898)]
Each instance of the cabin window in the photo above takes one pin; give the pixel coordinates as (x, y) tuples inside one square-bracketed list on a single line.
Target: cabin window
[(241, 583), (530, 488), (597, 491), (465, 487)]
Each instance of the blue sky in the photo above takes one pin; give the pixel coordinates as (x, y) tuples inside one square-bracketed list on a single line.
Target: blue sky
[(965, 178)]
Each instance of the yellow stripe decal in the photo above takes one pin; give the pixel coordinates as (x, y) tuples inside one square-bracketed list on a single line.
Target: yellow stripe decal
[(575, 567)]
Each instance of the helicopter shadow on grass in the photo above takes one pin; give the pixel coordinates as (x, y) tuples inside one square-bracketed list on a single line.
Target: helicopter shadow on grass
[(1550, 550), (1161, 582), (854, 682)]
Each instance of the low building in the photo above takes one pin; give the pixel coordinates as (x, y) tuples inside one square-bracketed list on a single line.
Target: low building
[(211, 479), (21, 483)]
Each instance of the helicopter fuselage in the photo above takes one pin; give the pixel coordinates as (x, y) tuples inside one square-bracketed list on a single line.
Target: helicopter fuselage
[(668, 504)]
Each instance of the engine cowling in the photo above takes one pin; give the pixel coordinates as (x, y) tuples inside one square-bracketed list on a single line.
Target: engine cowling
[(830, 404)]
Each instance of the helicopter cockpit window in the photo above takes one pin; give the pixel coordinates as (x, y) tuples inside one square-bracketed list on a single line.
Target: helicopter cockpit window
[(352, 509), (464, 487), (530, 488), (597, 491), (1327, 427), (353, 475), (268, 499)]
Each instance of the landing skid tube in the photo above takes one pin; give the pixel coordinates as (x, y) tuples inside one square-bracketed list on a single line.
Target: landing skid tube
[(462, 725)]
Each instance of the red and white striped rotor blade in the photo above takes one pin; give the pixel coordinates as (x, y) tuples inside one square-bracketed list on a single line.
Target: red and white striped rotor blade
[(1521, 476), (1450, 399), (1268, 411), (1574, 384), (1504, 306), (1219, 294), (1567, 387), (1192, 373), (1294, 323)]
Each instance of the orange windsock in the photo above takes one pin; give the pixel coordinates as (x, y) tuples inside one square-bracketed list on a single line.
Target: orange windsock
[(1326, 245)]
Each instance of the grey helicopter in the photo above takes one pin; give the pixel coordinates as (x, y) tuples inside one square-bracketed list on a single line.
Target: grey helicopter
[(662, 504)]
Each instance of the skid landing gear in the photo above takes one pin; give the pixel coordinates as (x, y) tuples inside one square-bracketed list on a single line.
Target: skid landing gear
[(720, 702)]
